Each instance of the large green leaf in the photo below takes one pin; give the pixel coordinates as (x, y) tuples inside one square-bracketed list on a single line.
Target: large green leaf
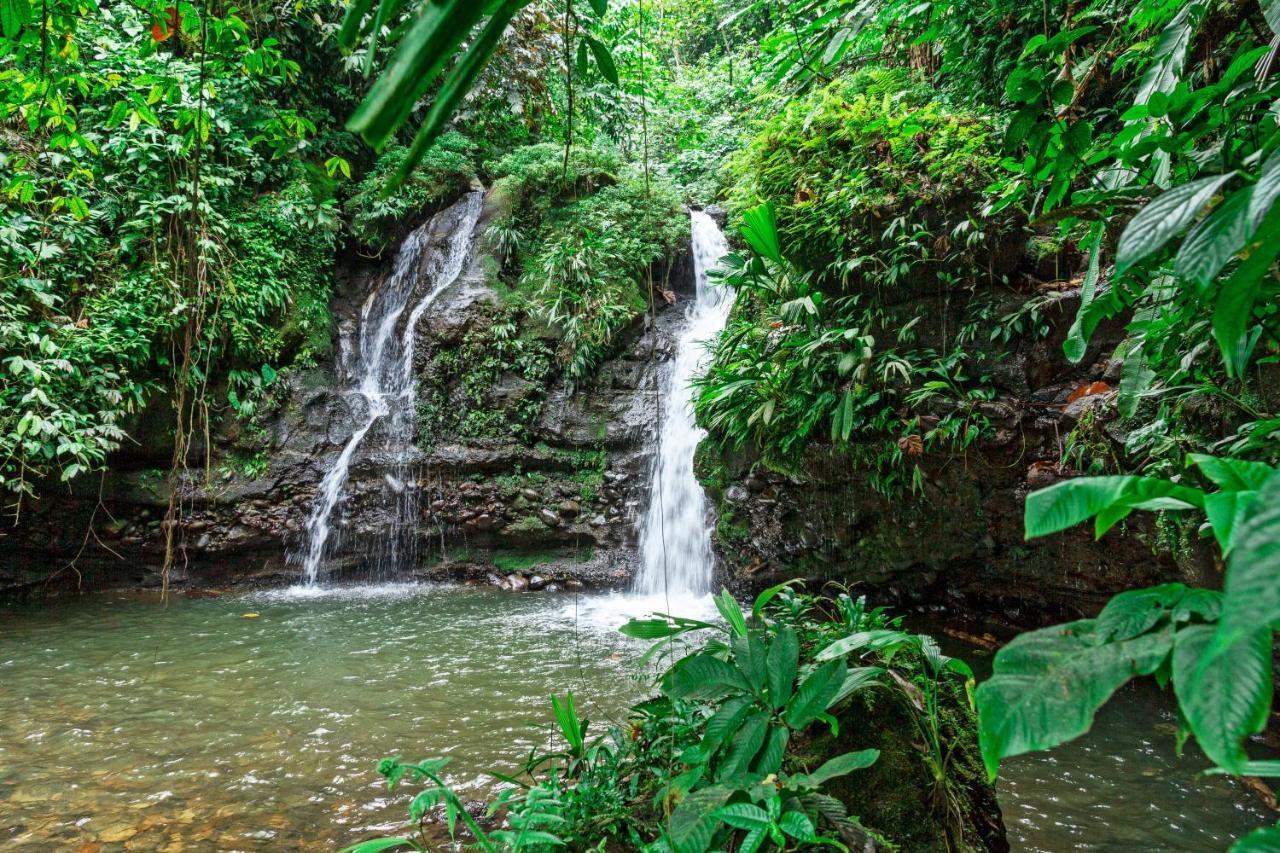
[(693, 822), (1265, 840), (1238, 294), (760, 230), (1215, 240), (571, 727), (377, 845), (1264, 769), (856, 679), (864, 642), (427, 46), (1170, 53), (816, 693), (14, 15), (757, 608), (704, 677), (749, 657), (1265, 191), (724, 722), (746, 742), (1111, 499), (773, 751), (798, 826), (731, 611), (1251, 597), (781, 662), (1225, 511), (838, 766), (650, 629), (1225, 696), (1236, 475), (1049, 684), (455, 87), (1164, 217), (604, 60), (1137, 611), (743, 816), (1086, 321), (662, 626)]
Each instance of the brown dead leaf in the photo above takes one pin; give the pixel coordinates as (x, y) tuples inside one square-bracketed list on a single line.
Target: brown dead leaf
[(1088, 390), (912, 445)]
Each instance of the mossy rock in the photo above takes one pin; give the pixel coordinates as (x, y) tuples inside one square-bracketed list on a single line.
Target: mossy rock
[(897, 796)]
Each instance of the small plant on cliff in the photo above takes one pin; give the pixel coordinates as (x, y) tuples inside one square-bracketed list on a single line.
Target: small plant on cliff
[(589, 266)]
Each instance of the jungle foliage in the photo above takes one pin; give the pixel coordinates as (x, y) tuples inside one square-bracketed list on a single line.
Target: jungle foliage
[(1138, 141), (136, 252), (911, 181)]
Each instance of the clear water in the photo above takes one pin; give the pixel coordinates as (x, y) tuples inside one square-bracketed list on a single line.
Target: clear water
[(381, 386), (1123, 788), (675, 540), (124, 719), (196, 727)]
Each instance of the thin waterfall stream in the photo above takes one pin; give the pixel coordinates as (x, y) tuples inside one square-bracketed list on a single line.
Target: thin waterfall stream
[(675, 539), (381, 387)]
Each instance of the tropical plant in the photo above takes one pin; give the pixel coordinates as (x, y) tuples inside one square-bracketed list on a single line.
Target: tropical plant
[(428, 37), (1215, 648)]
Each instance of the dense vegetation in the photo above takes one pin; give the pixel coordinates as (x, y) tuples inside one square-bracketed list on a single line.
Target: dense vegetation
[(914, 184)]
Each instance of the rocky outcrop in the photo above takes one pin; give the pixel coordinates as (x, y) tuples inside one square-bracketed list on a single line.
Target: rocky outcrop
[(538, 479), (953, 543)]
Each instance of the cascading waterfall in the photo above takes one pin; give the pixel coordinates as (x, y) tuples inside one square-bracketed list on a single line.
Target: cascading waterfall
[(380, 387), (675, 541)]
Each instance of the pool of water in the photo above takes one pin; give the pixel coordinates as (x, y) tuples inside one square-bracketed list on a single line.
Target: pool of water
[(255, 723), (1122, 787), (123, 720)]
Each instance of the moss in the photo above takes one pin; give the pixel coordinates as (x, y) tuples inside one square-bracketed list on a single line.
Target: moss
[(709, 467), (466, 396), (527, 524), (731, 529), (455, 555), (523, 561), (897, 795), (520, 562)]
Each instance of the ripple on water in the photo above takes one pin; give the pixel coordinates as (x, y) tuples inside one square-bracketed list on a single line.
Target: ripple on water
[(263, 734)]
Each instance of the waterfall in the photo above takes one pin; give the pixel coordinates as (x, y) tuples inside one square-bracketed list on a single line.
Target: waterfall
[(380, 386), (675, 541)]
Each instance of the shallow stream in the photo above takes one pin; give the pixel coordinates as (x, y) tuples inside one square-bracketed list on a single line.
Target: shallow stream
[(199, 726)]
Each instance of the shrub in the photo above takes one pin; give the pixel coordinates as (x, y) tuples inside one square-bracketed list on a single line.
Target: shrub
[(445, 172), (874, 180)]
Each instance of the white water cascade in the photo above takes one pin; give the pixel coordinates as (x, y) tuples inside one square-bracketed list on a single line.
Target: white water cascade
[(675, 542), (380, 386)]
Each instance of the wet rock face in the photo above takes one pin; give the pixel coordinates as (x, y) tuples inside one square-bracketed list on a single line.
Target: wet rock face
[(552, 482)]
